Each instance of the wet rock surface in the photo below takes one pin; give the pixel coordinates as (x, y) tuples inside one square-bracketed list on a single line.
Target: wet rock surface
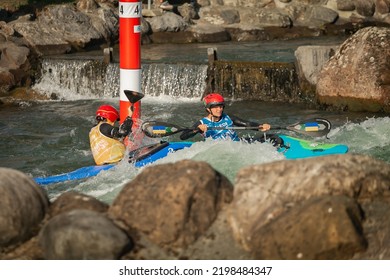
[(330, 207)]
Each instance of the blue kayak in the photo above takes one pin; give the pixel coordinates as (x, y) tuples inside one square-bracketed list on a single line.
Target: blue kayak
[(139, 157), (293, 148)]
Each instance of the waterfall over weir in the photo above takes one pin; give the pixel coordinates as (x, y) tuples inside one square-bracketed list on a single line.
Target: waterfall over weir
[(70, 79)]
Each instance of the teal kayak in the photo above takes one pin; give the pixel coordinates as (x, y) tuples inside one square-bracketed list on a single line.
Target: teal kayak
[(299, 148), (293, 148)]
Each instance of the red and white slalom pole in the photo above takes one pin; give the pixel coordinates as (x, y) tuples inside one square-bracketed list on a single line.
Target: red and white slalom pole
[(130, 12)]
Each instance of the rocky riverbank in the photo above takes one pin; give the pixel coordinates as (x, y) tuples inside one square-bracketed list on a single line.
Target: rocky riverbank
[(324, 208), (28, 34), (332, 207)]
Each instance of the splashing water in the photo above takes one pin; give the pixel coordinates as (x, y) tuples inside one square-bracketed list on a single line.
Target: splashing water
[(227, 157), (51, 138), (371, 137)]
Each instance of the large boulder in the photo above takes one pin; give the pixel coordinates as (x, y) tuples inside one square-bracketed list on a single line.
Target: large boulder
[(14, 61), (54, 29), (205, 32), (365, 8), (23, 206), (172, 204), (60, 28), (168, 22), (316, 16), (357, 77), (14, 57), (83, 234), (220, 15), (325, 227), (264, 17), (265, 193), (309, 61), (7, 81), (72, 200)]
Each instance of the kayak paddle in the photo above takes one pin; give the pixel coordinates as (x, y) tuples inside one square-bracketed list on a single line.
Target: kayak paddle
[(315, 127), (133, 96)]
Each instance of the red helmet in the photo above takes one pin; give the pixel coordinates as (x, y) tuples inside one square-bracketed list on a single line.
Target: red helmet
[(213, 99), (108, 112)]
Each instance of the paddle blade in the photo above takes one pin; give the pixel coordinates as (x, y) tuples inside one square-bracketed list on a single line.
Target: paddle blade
[(133, 96), (314, 127), (146, 151), (159, 129)]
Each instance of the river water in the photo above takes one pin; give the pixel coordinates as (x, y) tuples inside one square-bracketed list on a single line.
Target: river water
[(51, 137)]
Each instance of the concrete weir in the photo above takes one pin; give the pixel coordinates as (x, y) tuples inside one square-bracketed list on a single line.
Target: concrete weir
[(265, 81), (293, 82)]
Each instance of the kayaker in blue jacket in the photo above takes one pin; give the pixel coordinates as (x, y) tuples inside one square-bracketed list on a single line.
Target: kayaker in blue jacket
[(215, 104)]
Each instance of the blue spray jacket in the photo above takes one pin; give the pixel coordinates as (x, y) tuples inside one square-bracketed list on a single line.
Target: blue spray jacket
[(225, 121)]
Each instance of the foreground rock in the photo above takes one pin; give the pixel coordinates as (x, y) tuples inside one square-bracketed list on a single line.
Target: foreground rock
[(82, 234), (93, 24), (172, 204), (335, 224), (332, 207), (23, 206), (280, 190), (357, 77), (71, 200)]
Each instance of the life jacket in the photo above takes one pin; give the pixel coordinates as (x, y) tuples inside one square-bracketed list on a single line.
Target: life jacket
[(225, 121), (105, 149)]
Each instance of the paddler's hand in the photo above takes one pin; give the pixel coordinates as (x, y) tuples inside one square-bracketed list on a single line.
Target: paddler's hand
[(125, 127), (202, 127), (264, 127), (130, 110)]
